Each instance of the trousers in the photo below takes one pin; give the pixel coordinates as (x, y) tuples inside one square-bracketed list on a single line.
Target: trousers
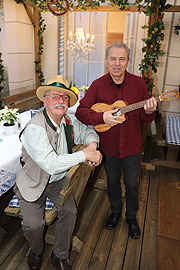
[(33, 223), (129, 166)]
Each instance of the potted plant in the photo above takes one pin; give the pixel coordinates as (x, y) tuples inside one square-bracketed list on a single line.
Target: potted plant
[(9, 116), (83, 89)]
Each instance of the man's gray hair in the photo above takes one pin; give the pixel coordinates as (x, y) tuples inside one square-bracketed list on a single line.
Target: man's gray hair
[(118, 44)]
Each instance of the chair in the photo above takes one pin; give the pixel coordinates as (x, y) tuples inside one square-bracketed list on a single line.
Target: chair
[(168, 154), (24, 101)]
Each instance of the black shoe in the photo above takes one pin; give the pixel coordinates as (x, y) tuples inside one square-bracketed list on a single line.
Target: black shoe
[(34, 261), (112, 221), (134, 230), (60, 264)]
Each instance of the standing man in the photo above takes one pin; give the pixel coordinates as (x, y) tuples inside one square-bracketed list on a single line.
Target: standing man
[(122, 143), (46, 158)]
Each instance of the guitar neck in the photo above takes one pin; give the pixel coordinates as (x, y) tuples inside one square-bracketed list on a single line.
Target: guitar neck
[(136, 106)]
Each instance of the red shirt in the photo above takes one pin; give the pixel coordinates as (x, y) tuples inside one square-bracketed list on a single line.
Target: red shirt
[(123, 139)]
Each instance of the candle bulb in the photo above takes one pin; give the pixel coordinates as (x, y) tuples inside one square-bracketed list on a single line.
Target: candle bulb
[(87, 37), (70, 35), (92, 39)]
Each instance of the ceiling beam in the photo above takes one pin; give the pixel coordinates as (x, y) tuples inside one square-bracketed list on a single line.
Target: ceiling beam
[(110, 8), (30, 14), (129, 9)]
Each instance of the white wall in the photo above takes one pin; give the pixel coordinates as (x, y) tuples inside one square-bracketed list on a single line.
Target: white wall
[(50, 54), (168, 75), (20, 46)]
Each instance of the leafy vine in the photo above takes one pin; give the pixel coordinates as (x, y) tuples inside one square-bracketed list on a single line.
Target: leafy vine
[(42, 28), (1, 75), (177, 29), (122, 4), (153, 47)]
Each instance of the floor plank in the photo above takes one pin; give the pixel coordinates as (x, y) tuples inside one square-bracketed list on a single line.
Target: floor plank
[(118, 248), (148, 256), (168, 254), (169, 213)]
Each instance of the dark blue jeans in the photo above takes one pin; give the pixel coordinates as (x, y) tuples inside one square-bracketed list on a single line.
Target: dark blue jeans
[(129, 166)]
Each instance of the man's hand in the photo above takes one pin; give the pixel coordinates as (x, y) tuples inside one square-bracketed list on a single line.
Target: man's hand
[(92, 155), (110, 119), (150, 105)]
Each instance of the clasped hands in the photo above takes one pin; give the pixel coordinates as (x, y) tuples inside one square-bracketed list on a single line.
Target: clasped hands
[(93, 156)]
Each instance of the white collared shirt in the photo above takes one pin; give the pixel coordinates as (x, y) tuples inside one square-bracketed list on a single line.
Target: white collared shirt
[(35, 140)]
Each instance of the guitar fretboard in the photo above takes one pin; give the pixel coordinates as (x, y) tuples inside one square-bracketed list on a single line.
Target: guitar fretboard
[(136, 106)]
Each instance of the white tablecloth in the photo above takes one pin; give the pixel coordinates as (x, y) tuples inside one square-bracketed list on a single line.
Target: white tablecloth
[(10, 151)]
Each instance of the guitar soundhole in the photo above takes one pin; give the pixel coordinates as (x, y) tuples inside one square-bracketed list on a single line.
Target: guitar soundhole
[(118, 113)]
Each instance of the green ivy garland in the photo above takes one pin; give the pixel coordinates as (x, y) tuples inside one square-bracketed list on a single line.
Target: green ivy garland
[(177, 29), (152, 49), (1, 72), (42, 28), (152, 52), (122, 4), (1, 75)]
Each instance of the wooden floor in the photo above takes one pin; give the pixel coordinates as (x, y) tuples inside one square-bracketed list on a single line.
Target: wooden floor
[(105, 249)]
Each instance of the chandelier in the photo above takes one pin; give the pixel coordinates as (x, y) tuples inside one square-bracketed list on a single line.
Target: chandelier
[(81, 47)]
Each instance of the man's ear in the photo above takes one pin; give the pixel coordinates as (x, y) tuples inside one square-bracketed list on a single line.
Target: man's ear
[(44, 101)]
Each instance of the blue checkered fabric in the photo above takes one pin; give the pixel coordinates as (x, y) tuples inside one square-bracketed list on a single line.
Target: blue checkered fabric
[(14, 202), (172, 130)]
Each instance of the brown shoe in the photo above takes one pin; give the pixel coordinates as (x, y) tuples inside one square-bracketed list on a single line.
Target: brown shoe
[(60, 264), (34, 261)]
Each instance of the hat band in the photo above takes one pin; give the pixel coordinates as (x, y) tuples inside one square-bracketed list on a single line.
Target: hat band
[(57, 84), (61, 85)]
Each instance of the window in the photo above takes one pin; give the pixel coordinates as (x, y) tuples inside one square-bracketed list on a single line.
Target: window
[(94, 23)]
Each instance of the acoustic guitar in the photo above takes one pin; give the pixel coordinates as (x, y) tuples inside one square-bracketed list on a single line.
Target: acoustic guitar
[(123, 107)]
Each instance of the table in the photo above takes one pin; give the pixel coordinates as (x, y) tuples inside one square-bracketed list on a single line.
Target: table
[(10, 151)]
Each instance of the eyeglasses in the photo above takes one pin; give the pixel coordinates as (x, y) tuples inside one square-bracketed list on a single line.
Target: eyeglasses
[(57, 97)]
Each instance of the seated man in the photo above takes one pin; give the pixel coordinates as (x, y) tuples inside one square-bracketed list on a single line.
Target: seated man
[(47, 142)]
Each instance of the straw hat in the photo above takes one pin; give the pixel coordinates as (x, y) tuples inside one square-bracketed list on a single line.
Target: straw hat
[(59, 83)]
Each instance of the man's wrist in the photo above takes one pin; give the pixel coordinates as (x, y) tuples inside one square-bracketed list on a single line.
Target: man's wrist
[(92, 145)]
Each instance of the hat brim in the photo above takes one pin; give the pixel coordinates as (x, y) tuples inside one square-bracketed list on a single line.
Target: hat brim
[(42, 90)]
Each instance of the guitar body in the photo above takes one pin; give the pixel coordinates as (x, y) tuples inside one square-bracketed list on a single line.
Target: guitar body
[(103, 107), (124, 107)]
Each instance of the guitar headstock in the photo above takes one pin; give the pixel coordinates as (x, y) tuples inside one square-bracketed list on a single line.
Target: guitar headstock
[(169, 95)]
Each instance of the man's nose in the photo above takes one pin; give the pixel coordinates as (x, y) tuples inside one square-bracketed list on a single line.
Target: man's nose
[(117, 61)]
